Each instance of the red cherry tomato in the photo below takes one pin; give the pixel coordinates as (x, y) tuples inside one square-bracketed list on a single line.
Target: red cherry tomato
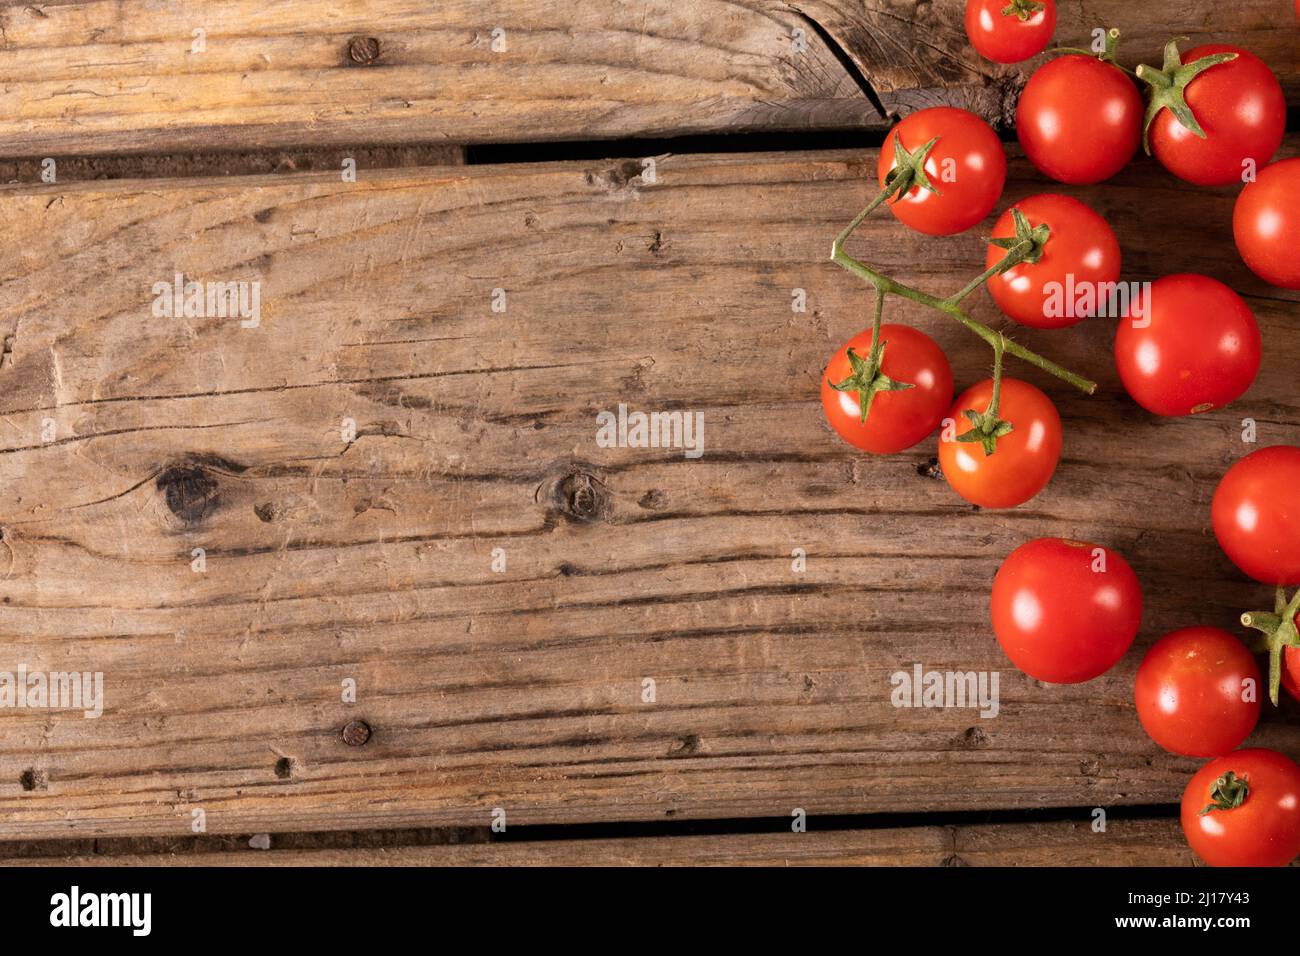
[(898, 419), (1065, 611), (1266, 224), (1256, 514), (1197, 692), (1239, 105), (1079, 119), (1080, 256), (1263, 829), (1007, 37), (1023, 461), (967, 166), (1188, 346), (1291, 661)]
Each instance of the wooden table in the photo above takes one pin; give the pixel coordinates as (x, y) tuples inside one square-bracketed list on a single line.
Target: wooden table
[(393, 482)]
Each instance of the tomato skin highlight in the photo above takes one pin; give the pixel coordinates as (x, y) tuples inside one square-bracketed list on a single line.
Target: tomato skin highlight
[(1189, 692), (1256, 514), (1081, 245), (1242, 110), (1024, 460), (1266, 224), (897, 420), (1264, 830), (969, 149), (1200, 349), (1008, 39), (1056, 618), (1079, 120)]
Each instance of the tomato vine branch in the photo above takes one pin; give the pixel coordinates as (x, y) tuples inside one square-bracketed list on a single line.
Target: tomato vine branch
[(1022, 249)]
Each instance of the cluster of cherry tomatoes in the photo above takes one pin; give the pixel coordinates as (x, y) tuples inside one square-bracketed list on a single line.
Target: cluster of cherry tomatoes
[(1066, 611)]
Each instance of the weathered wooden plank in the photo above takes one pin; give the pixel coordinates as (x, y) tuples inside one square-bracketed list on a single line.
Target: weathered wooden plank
[(371, 559), (99, 75), (1138, 842), (918, 55), (92, 76)]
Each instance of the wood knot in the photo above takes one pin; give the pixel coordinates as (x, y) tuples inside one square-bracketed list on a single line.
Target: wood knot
[(581, 496), (363, 50), (971, 737), (34, 780), (685, 746), (356, 733), (653, 500), (930, 469), (189, 490), (578, 495)]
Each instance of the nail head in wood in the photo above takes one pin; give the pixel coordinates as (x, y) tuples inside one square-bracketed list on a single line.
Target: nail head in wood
[(363, 50), (356, 733)]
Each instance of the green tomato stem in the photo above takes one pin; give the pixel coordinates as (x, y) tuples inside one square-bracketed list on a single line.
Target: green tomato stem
[(877, 346), (1106, 56), (1015, 255), (884, 285), (1279, 632), (992, 411)]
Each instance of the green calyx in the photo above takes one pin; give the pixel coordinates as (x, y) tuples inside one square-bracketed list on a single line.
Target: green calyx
[(1033, 238), (987, 427), (1228, 793), (1024, 9), (1166, 88), (1277, 631), (867, 379), (909, 169)]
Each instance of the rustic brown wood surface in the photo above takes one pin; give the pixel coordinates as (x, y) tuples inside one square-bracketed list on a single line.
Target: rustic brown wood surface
[(92, 76), (370, 559), (110, 75), (1124, 843)]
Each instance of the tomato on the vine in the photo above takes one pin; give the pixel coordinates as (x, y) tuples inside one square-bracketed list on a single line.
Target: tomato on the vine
[(1243, 809), (1266, 224), (1009, 31), (1022, 463), (1063, 286), (1256, 514), (1241, 109), (1197, 692), (1065, 611), (898, 418), (1079, 119), (966, 167), (1189, 344)]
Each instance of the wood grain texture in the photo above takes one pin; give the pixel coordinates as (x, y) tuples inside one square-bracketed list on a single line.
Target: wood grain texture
[(1125, 843), (371, 559), (92, 76), (916, 55), (100, 75)]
